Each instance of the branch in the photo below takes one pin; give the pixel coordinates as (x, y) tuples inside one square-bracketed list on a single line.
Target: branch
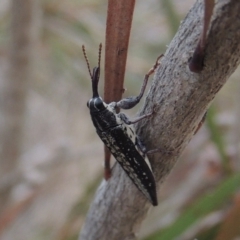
[(181, 98)]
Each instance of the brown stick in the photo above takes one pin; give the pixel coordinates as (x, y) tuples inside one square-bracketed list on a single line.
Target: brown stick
[(119, 22), (196, 64)]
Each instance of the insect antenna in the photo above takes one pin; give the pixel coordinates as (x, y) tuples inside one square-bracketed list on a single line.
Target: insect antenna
[(99, 56), (96, 74), (88, 65)]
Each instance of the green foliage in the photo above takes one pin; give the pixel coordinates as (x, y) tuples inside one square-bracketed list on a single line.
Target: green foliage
[(217, 137), (205, 205)]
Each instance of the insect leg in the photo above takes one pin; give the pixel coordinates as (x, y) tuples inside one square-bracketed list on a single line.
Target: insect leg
[(126, 120), (128, 103), (143, 149), (140, 146), (149, 152), (171, 151)]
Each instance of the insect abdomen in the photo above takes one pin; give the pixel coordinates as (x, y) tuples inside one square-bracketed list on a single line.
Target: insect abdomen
[(133, 163)]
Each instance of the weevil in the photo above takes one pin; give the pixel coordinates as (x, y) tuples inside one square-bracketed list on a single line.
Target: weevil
[(118, 134)]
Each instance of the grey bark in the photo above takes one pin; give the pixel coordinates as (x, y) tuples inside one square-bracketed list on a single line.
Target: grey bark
[(13, 94), (181, 98)]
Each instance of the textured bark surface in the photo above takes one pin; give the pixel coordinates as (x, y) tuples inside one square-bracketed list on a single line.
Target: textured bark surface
[(181, 98)]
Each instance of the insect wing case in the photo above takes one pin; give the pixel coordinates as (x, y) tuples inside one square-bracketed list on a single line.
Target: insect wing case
[(133, 163)]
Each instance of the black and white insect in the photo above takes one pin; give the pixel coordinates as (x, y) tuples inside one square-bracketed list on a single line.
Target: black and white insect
[(118, 134)]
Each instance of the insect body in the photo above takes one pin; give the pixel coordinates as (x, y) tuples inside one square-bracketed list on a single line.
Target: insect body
[(118, 134)]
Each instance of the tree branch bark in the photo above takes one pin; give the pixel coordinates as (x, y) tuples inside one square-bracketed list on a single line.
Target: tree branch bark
[(181, 98)]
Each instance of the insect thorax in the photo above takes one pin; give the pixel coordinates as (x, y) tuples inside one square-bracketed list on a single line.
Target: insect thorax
[(103, 117)]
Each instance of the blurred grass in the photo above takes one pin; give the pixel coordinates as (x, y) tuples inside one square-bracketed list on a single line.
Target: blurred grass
[(205, 205), (217, 137), (79, 210), (171, 14)]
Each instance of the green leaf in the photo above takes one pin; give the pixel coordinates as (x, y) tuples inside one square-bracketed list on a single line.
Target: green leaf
[(200, 208)]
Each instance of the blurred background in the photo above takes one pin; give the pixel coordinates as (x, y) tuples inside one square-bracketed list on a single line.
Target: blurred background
[(51, 160)]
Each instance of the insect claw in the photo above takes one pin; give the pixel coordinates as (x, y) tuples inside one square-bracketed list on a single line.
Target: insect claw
[(157, 63)]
